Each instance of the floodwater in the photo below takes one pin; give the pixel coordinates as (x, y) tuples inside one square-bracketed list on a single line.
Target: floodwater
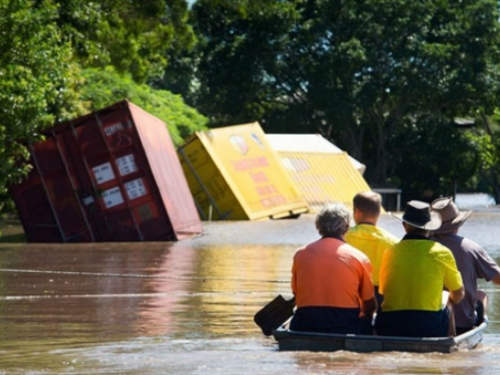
[(187, 307)]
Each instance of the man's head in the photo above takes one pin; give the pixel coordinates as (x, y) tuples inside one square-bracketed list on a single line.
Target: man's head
[(452, 217), (418, 218), (333, 220), (367, 206)]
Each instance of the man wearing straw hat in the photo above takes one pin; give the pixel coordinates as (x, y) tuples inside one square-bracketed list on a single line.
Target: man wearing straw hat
[(472, 261), (413, 274)]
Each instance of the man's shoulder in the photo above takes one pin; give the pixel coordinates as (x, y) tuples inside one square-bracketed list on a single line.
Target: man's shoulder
[(322, 243), (438, 245), (468, 243), (456, 243), (442, 252), (373, 232), (387, 236), (354, 252), (301, 250), (384, 236)]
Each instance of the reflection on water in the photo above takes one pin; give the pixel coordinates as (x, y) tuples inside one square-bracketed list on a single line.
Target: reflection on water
[(187, 307)]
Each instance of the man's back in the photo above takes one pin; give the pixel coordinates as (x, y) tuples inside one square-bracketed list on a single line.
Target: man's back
[(331, 280), (473, 263), (329, 272), (413, 275), (372, 241)]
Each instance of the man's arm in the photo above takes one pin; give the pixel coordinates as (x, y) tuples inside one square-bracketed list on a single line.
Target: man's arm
[(457, 295), (368, 307), (496, 279)]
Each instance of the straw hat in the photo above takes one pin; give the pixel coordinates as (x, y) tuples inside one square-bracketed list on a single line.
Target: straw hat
[(418, 214), (452, 217)]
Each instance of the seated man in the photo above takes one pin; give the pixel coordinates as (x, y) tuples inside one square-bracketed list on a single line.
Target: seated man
[(473, 262), (331, 280), (366, 235), (413, 274)]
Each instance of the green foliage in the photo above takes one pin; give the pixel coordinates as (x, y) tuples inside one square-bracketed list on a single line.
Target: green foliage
[(44, 45), (488, 152), (135, 37), (355, 71), (240, 43), (380, 78), (433, 158), (105, 87), (37, 81)]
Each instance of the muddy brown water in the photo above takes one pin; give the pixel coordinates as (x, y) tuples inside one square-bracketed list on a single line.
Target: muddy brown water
[(187, 307)]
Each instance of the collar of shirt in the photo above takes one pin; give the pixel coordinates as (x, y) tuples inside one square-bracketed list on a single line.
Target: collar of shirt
[(412, 236), (336, 237)]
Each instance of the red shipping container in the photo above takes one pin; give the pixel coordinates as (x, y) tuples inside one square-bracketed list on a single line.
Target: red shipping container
[(112, 175)]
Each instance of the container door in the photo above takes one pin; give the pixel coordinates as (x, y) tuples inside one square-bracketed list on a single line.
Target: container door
[(103, 192), (60, 211)]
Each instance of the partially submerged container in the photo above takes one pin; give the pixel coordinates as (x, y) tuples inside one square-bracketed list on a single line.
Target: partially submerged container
[(234, 174), (310, 143), (112, 175), (323, 172)]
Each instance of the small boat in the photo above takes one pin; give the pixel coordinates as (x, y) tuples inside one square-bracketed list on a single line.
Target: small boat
[(329, 342)]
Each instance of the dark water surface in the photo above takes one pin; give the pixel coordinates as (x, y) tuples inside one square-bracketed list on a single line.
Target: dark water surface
[(187, 307)]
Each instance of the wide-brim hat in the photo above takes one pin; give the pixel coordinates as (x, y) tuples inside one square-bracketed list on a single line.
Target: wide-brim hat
[(450, 214), (419, 214)]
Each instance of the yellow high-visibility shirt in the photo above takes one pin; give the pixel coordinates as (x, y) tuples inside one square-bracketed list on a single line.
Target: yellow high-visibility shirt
[(413, 274), (372, 241)]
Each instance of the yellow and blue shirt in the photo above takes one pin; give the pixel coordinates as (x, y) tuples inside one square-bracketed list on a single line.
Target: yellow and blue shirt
[(413, 273), (372, 241)]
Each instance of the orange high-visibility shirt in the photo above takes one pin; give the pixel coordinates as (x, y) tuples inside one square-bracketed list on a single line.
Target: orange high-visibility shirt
[(331, 273)]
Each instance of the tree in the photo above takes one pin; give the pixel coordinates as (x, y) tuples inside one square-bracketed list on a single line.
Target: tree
[(490, 166), (38, 81), (105, 87), (45, 44), (240, 50), (437, 157), (487, 140), (135, 37), (354, 71)]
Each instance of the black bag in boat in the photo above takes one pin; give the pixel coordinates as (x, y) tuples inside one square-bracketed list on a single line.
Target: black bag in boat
[(274, 314)]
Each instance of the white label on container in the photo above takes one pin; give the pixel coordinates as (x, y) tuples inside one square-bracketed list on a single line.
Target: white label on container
[(111, 129), (112, 197), (88, 200), (103, 173), (126, 164), (135, 189)]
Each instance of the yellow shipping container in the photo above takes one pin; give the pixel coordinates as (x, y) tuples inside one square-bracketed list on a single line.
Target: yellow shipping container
[(323, 172), (324, 177), (234, 174)]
